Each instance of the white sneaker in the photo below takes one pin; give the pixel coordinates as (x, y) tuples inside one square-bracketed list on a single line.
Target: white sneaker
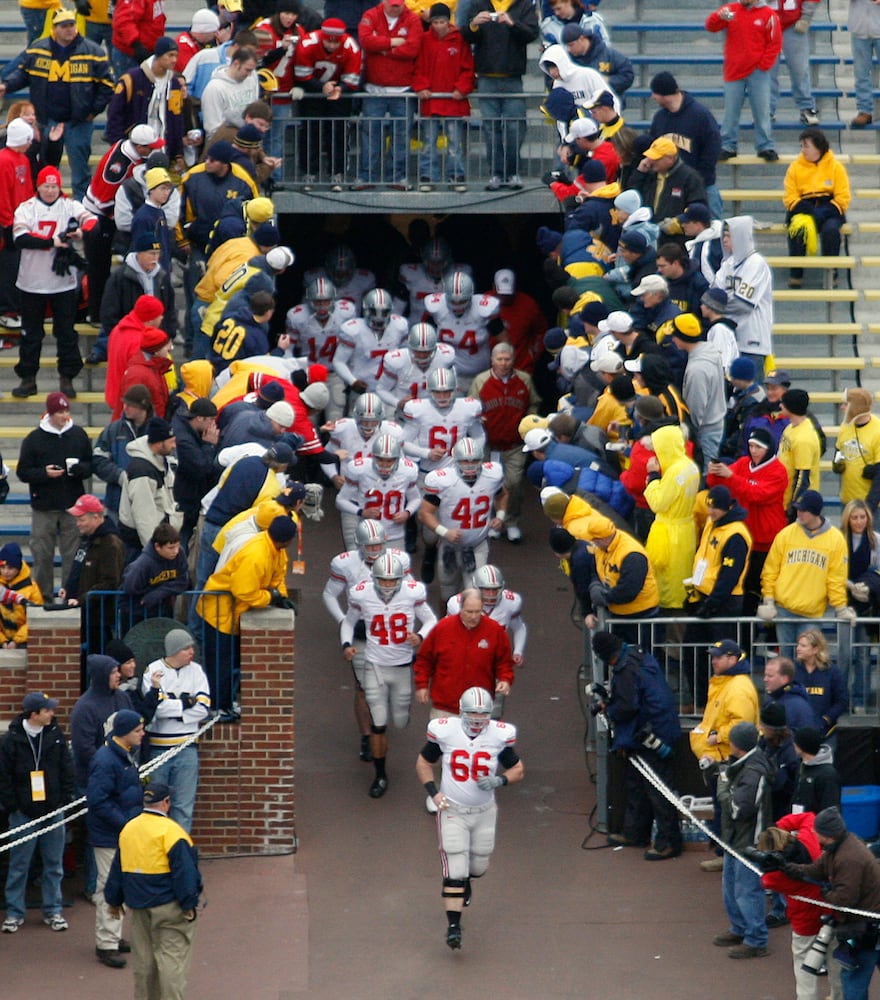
[(308, 182), (56, 922), (494, 183), (514, 534), (336, 183), (514, 182), (11, 321), (431, 805), (11, 925), (494, 535)]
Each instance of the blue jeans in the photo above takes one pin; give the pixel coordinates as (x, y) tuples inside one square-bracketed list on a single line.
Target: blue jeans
[(855, 982), (100, 34), (715, 201), (796, 49), (34, 22), (375, 167), (273, 143), (757, 86), (78, 144), (504, 123), (744, 902), (51, 846), (181, 774), (866, 51), (121, 62), (431, 158), (193, 274)]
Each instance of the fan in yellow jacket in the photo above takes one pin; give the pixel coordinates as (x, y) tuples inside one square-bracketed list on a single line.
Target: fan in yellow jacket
[(857, 454), (673, 482), (16, 575), (732, 699)]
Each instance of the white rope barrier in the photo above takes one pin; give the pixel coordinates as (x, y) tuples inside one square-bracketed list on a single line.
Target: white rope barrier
[(144, 771), (651, 777)]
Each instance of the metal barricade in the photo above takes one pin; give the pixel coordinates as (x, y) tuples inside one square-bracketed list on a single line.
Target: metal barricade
[(368, 141), (108, 614)]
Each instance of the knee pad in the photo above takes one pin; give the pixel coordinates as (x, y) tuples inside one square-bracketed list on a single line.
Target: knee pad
[(453, 888), (378, 730)]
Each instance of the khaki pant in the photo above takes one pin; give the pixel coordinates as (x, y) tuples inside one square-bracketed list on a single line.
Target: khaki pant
[(108, 930), (161, 950)]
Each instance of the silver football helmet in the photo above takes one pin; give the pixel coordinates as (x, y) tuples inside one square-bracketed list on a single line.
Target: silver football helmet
[(475, 710), (422, 344), (442, 383), (468, 458), (386, 455), (370, 537), (490, 582), (459, 288), (377, 308), (320, 295), (340, 265), (368, 413), (387, 575)]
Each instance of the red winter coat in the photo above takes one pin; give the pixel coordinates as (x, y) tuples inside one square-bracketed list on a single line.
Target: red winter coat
[(16, 184), (760, 491), (754, 39), (526, 326), (445, 64), (804, 917), (789, 11), (148, 371), (138, 21), (634, 479), (453, 658), (125, 341), (387, 66)]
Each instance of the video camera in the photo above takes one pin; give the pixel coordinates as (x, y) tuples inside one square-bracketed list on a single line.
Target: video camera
[(599, 698)]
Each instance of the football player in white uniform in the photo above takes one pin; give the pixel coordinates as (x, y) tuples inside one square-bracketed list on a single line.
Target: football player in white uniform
[(426, 278), (382, 487), (313, 328), (353, 437), (389, 606), (472, 747), (346, 570), (363, 343), (457, 508), (405, 371), (463, 320), (352, 282), (503, 605), (433, 425)]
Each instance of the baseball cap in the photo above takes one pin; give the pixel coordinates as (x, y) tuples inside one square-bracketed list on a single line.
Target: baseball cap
[(661, 147), (536, 439), (651, 283), (617, 322), (63, 16), (633, 365), (571, 32), (505, 282), (36, 701), (278, 258), (145, 135), (583, 128), (609, 363), (146, 241), (603, 100), (698, 212), (156, 791), (777, 377), (280, 454), (88, 503), (725, 647), (633, 240)]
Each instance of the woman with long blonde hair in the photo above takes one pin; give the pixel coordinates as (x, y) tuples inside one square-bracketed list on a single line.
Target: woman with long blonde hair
[(824, 683)]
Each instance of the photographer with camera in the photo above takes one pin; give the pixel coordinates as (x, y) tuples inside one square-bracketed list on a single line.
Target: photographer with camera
[(792, 840), (848, 875), (43, 229), (641, 709)]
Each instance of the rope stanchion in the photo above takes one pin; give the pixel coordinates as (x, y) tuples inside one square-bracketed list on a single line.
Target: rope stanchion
[(145, 770), (647, 772)]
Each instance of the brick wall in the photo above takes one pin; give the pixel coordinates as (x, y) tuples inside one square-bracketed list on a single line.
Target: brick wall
[(245, 803)]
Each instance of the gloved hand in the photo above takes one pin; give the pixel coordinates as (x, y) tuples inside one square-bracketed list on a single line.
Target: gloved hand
[(599, 594), (489, 782), (767, 610), (670, 225), (297, 93), (708, 608), (359, 386), (845, 614), (141, 52), (555, 177), (83, 7), (11, 597), (801, 25), (294, 440), (279, 600), (187, 699), (860, 591)]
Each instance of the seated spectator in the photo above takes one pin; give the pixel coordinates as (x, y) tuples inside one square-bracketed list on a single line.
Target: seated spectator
[(824, 683), (816, 198), (157, 576), (721, 331), (15, 574)]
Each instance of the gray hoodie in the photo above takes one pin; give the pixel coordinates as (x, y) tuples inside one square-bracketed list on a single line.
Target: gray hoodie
[(748, 281)]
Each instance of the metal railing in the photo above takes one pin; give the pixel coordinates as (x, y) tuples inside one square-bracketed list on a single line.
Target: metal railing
[(111, 613), (350, 150), (681, 644)]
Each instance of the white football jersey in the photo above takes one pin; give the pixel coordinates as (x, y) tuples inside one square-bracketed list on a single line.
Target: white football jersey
[(387, 625), (468, 333), (35, 217), (360, 352), (316, 340), (507, 612), (468, 508), (466, 760), (425, 427), (354, 290), (348, 569), (403, 379), (419, 285), (345, 437), (364, 488)]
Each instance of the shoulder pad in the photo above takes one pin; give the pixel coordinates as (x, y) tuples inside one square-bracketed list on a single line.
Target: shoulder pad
[(345, 306), (434, 302)]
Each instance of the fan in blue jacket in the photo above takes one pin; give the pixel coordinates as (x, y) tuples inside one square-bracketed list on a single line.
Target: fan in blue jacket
[(114, 791), (92, 710)]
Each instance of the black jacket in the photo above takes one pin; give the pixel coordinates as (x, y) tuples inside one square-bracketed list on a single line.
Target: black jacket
[(124, 288), (500, 50), (683, 187), (42, 448), (17, 761), (197, 466)]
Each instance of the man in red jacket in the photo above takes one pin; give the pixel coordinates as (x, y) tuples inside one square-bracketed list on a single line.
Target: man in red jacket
[(751, 48), (461, 651), (445, 66), (137, 26), (391, 36)]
